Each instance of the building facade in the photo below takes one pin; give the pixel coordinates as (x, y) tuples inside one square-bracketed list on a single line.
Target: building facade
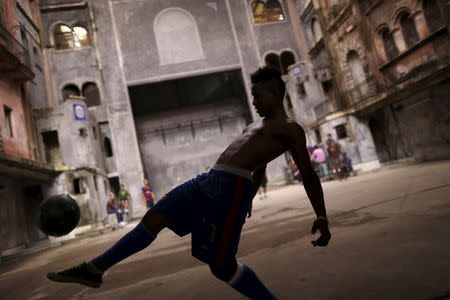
[(100, 93), (24, 177), (377, 73), (171, 80)]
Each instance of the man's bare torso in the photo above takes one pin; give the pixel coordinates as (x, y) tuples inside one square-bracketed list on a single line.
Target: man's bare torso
[(260, 143)]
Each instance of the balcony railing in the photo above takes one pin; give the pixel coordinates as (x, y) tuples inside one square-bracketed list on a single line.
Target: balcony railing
[(14, 46), (14, 58), (363, 90)]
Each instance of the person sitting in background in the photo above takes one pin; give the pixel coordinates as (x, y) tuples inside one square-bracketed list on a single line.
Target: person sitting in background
[(346, 166), (111, 208)]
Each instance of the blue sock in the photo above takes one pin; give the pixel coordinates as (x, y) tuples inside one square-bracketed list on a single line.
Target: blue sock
[(248, 284), (132, 242)]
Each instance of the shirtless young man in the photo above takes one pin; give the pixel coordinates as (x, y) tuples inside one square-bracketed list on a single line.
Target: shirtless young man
[(214, 205)]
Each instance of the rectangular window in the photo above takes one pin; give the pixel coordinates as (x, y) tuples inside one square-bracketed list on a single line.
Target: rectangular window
[(52, 149), (78, 186), (8, 120), (95, 183), (318, 136), (289, 101), (341, 132), (301, 89), (94, 132)]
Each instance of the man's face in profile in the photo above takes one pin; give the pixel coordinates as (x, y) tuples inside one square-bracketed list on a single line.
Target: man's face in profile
[(264, 98)]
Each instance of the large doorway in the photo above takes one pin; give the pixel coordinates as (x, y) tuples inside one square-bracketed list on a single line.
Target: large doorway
[(184, 124), (33, 197)]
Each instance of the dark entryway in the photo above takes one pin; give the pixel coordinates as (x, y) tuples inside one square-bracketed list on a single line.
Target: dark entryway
[(184, 124), (33, 197)]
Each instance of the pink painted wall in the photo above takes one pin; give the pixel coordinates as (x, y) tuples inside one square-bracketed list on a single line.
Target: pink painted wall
[(19, 144)]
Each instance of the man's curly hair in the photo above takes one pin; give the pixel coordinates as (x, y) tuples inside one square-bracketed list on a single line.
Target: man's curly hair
[(271, 75)]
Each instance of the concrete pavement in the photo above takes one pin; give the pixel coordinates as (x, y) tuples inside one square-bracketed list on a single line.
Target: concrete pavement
[(390, 240)]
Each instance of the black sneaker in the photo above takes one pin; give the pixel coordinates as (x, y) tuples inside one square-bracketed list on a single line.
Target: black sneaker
[(78, 274)]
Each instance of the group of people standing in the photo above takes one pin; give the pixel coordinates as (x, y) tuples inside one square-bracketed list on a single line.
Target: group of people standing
[(335, 165), (119, 205)]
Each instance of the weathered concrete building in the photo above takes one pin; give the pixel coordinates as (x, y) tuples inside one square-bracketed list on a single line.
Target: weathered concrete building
[(408, 56), (383, 73), (317, 100), (113, 91), (24, 177), (171, 79)]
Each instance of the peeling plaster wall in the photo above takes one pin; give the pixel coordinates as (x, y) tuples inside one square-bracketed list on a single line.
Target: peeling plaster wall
[(417, 126), (12, 214), (180, 152), (76, 150), (19, 144)]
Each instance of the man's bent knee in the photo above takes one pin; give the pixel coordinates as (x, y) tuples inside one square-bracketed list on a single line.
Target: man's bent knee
[(154, 222), (224, 273)]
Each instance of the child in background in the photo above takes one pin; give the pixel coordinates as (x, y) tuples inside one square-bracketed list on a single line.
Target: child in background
[(346, 166), (124, 197)]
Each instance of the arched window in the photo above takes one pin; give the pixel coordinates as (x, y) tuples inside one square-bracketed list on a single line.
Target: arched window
[(361, 87), (287, 58), (273, 60), (317, 32), (107, 147), (70, 90), (356, 67), (258, 11), (281, 62), (68, 38), (177, 37), (270, 11), (91, 93), (389, 44), (432, 15), (80, 36), (409, 30), (274, 11), (63, 37)]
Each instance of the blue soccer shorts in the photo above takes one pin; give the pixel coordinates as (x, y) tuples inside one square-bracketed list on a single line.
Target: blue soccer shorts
[(213, 208)]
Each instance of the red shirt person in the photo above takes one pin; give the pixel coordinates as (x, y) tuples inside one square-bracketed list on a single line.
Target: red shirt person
[(148, 194)]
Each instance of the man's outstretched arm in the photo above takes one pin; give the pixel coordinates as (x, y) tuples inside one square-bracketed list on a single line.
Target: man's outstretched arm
[(311, 182)]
